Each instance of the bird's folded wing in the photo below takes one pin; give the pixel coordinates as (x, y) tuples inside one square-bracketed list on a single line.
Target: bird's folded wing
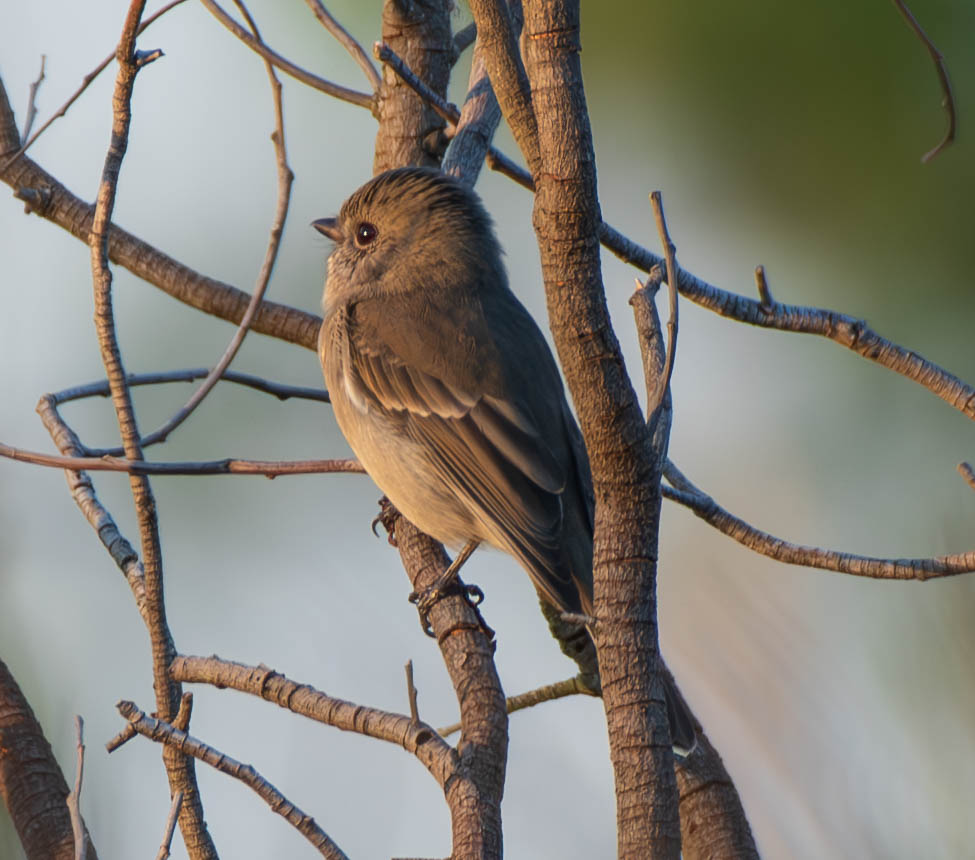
[(481, 445)]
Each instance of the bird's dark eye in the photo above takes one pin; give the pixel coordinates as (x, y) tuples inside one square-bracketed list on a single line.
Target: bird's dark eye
[(365, 233)]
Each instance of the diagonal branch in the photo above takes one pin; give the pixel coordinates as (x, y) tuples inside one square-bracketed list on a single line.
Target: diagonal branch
[(346, 40), (162, 732), (335, 90), (685, 493)]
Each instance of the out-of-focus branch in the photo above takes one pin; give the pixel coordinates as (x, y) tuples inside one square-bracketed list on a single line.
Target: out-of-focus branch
[(346, 40), (285, 179), (167, 840), (94, 73), (179, 769), (32, 785), (685, 493), (32, 103), (79, 833), (948, 100), (162, 732), (335, 90), (573, 686)]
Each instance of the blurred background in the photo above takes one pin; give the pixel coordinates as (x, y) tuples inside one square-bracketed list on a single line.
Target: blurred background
[(782, 134)]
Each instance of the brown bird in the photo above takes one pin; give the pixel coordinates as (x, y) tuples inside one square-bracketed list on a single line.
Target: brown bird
[(448, 393)]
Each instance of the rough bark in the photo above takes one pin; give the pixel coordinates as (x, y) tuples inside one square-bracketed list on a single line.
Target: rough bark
[(31, 783), (410, 131)]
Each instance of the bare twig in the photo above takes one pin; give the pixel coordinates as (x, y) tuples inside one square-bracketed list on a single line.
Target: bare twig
[(968, 473), (414, 736), (445, 110), (162, 732), (663, 383), (347, 41), (285, 179), (685, 493), (573, 686), (85, 82), (948, 101), (335, 90), (411, 692), (74, 797), (32, 103), (167, 840), (179, 769), (228, 466), (764, 293)]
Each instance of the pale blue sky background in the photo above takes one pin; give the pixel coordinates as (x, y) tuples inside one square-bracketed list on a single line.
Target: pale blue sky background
[(788, 136)]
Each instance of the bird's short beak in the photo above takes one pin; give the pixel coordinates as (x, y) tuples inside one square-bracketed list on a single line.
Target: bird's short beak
[(329, 227)]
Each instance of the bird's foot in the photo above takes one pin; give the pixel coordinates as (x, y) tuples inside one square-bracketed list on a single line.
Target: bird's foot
[(387, 517)]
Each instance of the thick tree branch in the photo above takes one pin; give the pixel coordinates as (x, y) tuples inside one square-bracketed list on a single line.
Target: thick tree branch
[(32, 785)]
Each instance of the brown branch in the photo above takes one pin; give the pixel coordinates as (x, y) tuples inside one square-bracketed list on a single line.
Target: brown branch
[(179, 769), (285, 179), (410, 132), (948, 100), (625, 470), (162, 732), (346, 40), (466, 643), (228, 466), (417, 738), (335, 90), (32, 785), (685, 493), (573, 686), (764, 293), (968, 473), (86, 81)]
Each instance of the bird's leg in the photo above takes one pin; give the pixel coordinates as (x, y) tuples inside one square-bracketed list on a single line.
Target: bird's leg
[(387, 517), (429, 596)]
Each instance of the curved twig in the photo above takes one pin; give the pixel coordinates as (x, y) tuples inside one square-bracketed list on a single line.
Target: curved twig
[(948, 102), (335, 90), (685, 493), (347, 41)]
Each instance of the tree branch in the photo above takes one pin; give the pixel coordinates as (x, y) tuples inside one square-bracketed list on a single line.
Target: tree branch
[(162, 732), (179, 769)]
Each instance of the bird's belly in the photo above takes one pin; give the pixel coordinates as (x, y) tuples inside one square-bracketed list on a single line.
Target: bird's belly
[(401, 468)]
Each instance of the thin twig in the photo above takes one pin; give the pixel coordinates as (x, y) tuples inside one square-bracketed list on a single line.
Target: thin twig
[(968, 473), (74, 797), (285, 179), (167, 839), (764, 293), (85, 82), (411, 693), (335, 90), (162, 732), (32, 104), (549, 693), (347, 41), (685, 493), (179, 770), (663, 383), (948, 101), (445, 110), (228, 466)]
